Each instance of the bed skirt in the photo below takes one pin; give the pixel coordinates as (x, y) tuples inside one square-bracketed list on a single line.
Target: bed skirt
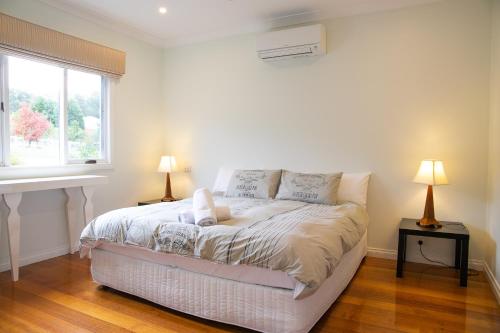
[(261, 308)]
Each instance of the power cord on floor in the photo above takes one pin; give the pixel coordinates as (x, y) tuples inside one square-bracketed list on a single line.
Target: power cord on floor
[(470, 272), (430, 260)]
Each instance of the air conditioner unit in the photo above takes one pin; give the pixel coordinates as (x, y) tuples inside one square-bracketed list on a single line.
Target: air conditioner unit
[(291, 43)]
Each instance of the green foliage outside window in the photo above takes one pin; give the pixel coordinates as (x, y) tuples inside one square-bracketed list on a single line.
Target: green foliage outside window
[(75, 113), (48, 108), (75, 132), (17, 98), (78, 108)]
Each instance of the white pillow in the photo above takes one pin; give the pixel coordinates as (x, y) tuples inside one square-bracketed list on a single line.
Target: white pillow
[(258, 184), (353, 186), (318, 188)]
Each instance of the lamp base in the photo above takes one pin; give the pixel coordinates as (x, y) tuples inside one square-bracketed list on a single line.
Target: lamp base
[(168, 191), (428, 220), (429, 223), (168, 199)]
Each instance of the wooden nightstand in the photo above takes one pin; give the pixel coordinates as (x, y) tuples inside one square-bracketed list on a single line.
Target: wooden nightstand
[(150, 202), (450, 230)]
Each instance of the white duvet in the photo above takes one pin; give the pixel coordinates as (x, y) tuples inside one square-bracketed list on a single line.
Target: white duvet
[(304, 240)]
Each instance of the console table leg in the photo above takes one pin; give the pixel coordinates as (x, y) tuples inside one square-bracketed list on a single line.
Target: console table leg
[(72, 193), (88, 206), (12, 201)]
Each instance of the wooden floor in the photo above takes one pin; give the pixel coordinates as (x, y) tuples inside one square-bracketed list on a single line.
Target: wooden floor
[(58, 295)]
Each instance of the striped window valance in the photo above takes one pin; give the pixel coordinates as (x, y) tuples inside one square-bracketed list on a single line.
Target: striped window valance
[(28, 39)]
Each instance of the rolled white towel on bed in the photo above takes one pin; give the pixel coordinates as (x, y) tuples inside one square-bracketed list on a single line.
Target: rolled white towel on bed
[(204, 208), (186, 216), (223, 213)]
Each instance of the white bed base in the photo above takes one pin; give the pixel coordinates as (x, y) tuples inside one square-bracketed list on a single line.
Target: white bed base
[(261, 308)]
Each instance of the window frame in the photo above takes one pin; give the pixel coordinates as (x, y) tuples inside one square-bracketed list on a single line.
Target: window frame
[(4, 100), (64, 160)]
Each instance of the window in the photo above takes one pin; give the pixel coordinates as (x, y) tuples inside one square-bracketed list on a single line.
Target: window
[(51, 115)]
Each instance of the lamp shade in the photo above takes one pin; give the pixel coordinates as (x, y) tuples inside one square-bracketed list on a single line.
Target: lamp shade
[(431, 172), (167, 164)]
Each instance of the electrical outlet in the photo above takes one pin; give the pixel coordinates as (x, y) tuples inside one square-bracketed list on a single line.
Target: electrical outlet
[(187, 169), (420, 242)]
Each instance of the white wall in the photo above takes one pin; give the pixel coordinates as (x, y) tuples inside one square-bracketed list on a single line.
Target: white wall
[(395, 88), (493, 253), (137, 136)]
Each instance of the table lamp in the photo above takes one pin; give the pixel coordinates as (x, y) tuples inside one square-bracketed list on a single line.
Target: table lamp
[(431, 172), (167, 165)]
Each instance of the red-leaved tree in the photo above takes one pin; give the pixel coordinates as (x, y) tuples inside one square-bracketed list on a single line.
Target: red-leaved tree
[(30, 125)]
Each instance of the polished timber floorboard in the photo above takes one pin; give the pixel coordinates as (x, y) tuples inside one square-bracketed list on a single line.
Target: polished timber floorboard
[(58, 295)]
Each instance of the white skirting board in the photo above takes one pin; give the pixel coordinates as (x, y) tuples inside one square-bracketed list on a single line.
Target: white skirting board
[(64, 249), (476, 264), (495, 286), (36, 257)]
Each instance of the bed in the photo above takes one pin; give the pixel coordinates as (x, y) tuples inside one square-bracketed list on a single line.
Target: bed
[(276, 266)]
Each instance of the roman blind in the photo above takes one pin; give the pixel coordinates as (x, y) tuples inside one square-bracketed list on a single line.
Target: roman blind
[(20, 37)]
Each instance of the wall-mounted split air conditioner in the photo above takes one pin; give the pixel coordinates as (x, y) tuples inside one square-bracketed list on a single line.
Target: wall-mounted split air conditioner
[(291, 43)]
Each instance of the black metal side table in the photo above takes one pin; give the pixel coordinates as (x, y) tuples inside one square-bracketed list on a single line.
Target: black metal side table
[(449, 230)]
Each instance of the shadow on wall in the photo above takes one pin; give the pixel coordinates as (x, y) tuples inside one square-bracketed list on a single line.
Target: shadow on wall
[(490, 246), (381, 196)]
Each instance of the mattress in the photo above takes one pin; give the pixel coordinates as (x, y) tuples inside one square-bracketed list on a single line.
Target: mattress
[(242, 273), (258, 307)]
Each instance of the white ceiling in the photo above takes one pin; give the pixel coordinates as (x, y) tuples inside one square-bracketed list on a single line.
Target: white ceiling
[(189, 21)]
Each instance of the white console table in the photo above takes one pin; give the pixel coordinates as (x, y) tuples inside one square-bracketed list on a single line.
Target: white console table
[(73, 186)]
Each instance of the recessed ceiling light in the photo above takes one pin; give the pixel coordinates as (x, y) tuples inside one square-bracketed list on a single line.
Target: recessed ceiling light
[(162, 10)]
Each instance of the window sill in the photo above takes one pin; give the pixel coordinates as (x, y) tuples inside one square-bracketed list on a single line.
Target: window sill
[(50, 171)]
